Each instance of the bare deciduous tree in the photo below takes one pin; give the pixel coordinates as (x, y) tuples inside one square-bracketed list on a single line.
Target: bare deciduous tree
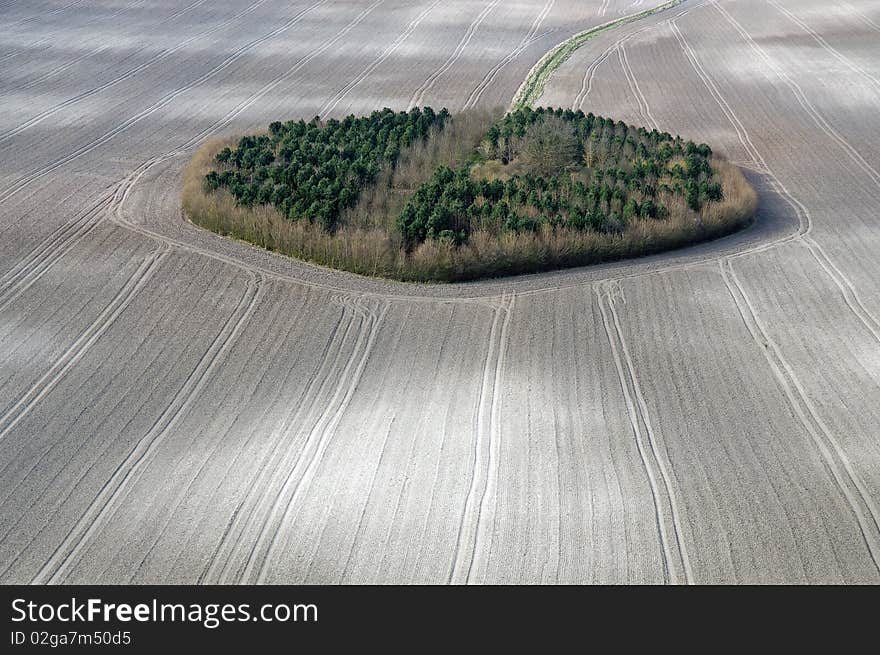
[(549, 146)]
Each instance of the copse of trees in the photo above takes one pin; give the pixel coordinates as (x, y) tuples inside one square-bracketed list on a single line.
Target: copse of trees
[(563, 169), (314, 170), (422, 195)]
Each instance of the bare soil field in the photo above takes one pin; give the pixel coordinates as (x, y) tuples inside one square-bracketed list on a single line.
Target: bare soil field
[(176, 407)]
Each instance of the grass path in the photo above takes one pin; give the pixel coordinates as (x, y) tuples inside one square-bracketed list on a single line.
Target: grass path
[(537, 79)]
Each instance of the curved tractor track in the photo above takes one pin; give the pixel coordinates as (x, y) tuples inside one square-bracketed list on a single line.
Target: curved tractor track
[(178, 407)]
